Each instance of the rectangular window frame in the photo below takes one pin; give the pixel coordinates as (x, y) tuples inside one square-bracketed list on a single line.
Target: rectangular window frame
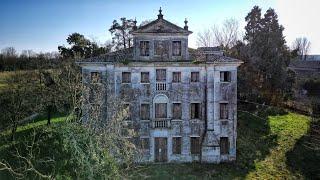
[(126, 80), (195, 145), (176, 77), (176, 115), (144, 80), (224, 111), (176, 44), (176, 145), (144, 52), (144, 144), (142, 116), (195, 110), (161, 75), (156, 113), (95, 77), (195, 77), (224, 146), (225, 76)]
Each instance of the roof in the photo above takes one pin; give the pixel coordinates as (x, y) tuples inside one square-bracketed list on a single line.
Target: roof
[(127, 55), (306, 64)]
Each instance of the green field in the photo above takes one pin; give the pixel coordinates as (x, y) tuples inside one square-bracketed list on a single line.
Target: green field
[(268, 147)]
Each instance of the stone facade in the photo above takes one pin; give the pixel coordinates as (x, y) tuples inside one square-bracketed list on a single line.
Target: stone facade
[(190, 96)]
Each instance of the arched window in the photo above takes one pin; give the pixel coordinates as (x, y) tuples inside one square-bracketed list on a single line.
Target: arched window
[(160, 104)]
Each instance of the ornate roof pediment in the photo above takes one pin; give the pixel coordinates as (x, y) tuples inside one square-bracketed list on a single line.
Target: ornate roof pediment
[(161, 26)]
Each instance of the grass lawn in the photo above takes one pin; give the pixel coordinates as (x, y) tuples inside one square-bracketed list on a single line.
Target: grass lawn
[(266, 148), (263, 145)]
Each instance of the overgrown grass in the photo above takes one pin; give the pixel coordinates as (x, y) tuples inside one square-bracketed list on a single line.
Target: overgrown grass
[(261, 153), (264, 148)]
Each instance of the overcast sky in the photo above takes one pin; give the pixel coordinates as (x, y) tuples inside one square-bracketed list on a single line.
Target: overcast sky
[(42, 25)]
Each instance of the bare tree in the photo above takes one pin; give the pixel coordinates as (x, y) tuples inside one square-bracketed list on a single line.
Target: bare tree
[(227, 35), (302, 45), (9, 52)]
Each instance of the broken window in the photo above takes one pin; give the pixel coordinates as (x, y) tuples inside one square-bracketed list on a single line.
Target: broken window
[(176, 145), (176, 77), (176, 48), (145, 112), (161, 75), (225, 76), (145, 77), (126, 77), (223, 110), (144, 48), (195, 77), (144, 143), (176, 111), (224, 145), (195, 145), (160, 48), (95, 77), (161, 110), (195, 111)]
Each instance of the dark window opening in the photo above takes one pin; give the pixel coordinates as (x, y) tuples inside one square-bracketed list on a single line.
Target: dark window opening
[(176, 111), (126, 77), (176, 145), (145, 77), (224, 145), (224, 111), (144, 48), (144, 143), (161, 75), (176, 48), (195, 145), (176, 77), (145, 112), (195, 111), (161, 110), (225, 76), (195, 77)]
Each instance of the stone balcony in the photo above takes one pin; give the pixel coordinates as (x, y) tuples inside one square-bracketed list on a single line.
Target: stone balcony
[(161, 86), (161, 123)]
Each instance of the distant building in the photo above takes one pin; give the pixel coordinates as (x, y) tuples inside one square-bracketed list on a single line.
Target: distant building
[(182, 101)]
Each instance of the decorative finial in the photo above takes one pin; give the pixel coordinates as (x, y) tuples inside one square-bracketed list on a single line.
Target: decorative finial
[(160, 16), (135, 24), (186, 24)]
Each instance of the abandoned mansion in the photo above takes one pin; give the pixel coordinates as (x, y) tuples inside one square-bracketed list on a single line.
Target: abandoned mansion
[(182, 102)]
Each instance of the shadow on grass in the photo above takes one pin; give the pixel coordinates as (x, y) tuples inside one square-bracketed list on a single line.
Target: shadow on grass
[(304, 157)]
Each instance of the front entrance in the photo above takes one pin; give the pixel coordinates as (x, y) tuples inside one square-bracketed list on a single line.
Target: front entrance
[(160, 150)]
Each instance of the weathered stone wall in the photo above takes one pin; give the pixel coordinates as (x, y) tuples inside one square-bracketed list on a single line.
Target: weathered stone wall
[(209, 91)]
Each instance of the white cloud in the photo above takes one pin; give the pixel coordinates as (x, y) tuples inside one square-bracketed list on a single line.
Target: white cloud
[(300, 18)]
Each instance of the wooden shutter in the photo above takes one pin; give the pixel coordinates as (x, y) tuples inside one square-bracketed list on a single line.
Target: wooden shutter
[(144, 48), (176, 145), (145, 77), (145, 112), (195, 111), (176, 48), (177, 113), (126, 77), (224, 145), (176, 77), (161, 110), (195, 145)]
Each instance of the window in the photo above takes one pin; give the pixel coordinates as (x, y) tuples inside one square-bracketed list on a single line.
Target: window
[(195, 145), (144, 143), (145, 112), (225, 76), (176, 77), (176, 111), (126, 77), (161, 110), (223, 111), (176, 48), (128, 112), (195, 111), (95, 77), (161, 75), (195, 77), (144, 48), (160, 48), (224, 145), (176, 145), (145, 77)]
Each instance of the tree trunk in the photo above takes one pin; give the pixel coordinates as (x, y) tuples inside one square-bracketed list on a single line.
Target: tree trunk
[(49, 111)]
